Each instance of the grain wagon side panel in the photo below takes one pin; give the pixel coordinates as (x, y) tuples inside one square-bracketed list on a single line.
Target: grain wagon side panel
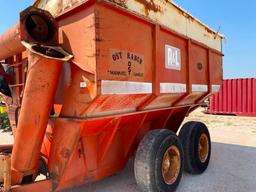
[(170, 81), (168, 14), (77, 85), (124, 63), (77, 35), (126, 51), (216, 77)]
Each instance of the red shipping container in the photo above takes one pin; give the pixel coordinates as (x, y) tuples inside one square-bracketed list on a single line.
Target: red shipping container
[(236, 96)]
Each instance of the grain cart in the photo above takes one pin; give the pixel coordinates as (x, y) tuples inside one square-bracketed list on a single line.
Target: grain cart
[(95, 83)]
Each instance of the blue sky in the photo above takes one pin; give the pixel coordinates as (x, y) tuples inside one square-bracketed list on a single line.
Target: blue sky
[(236, 18)]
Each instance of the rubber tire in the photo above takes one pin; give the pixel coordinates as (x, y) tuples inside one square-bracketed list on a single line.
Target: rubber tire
[(148, 161), (189, 136)]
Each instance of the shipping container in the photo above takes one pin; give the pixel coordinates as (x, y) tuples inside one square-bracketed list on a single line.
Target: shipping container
[(236, 96)]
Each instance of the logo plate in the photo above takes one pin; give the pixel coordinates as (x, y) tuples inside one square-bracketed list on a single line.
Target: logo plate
[(172, 58)]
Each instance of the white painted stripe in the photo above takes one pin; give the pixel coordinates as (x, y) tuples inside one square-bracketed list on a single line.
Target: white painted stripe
[(173, 88), (215, 88), (199, 88), (125, 87)]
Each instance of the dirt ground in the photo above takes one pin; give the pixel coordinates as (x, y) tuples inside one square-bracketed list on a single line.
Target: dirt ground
[(232, 167)]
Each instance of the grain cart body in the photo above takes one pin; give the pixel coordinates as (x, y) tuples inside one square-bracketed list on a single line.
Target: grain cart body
[(137, 66)]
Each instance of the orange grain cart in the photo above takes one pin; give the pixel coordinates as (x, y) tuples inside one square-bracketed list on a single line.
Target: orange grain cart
[(137, 69)]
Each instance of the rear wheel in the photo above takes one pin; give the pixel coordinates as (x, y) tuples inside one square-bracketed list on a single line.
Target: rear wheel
[(158, 163), (196, 142)]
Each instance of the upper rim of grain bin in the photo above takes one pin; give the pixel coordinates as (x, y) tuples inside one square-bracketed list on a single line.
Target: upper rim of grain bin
[(165, 13)]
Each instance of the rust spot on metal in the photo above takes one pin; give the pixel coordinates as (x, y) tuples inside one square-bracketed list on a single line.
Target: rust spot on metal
[(56, 7), (121, 3), (150, 6), (208, 30)]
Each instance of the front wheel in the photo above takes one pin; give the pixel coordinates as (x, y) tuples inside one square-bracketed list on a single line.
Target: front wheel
[(158, 162)]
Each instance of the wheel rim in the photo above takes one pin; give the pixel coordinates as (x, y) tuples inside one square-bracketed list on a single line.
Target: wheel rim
[(171, 165), (203, 148)]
